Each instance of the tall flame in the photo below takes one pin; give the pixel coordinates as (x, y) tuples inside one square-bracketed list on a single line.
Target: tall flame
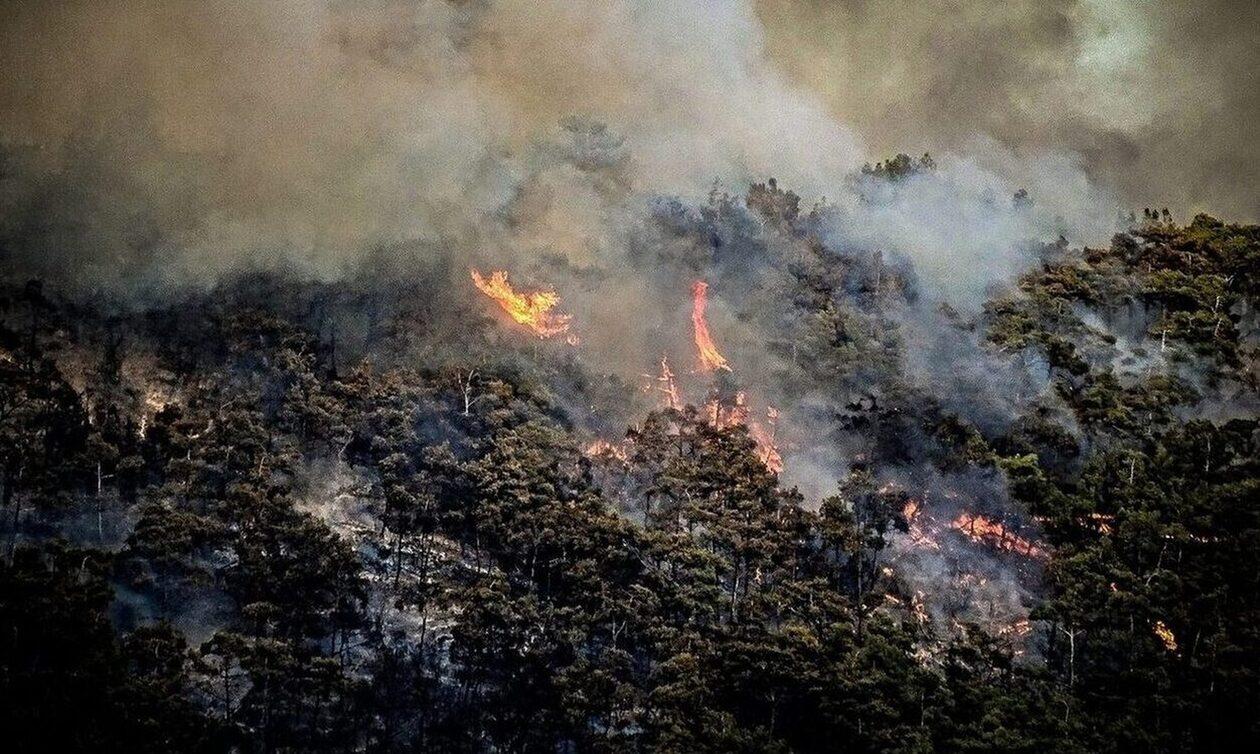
[(534, 310), (710, 357)]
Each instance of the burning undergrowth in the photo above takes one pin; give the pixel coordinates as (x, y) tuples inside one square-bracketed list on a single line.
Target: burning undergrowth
[(802, 336), (825, 356), (784, 437), (379, 401), (962, 558)]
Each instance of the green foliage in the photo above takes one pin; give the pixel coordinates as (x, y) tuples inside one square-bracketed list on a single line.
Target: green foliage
[(900, 167)]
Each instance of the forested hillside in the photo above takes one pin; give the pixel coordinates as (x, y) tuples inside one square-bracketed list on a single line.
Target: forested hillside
[(377, 514)]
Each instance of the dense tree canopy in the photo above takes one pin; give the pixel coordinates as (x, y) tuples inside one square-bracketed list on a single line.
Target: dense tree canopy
[(225, 528)]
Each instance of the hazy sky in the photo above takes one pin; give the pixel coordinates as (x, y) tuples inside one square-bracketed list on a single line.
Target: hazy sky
[(194, 134), (1159, 98)]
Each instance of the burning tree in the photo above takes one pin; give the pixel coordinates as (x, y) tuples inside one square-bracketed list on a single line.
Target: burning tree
[(710, 358), (534, 309)]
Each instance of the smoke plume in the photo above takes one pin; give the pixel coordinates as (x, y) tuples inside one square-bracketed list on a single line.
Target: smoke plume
[(1154, 97), (150, 142)]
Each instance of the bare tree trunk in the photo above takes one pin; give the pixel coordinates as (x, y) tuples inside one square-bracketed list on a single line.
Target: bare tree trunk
[(1071, 634), (398, 554), (100, 526), (466, 388)]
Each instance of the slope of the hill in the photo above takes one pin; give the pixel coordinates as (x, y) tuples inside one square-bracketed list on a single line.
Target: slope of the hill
[(370, 515)]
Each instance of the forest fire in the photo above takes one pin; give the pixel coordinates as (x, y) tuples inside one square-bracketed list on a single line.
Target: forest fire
[(1018, 635), (1103, 523), (736, 413), (534, 310), (606, 449), (154, 401), (980, 528), (1165, 635), (710, 358), (914, 608), (1019, 629), (763, 435), (942, 555), (923, 530), (727, 413), (918, 534), (961, 454)]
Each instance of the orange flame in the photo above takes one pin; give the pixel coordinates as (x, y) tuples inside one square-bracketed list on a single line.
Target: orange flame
[(924, 530), (724, 415), (710, 357), (605, 449), (1103, 522), (534, 310), (1165, 634), (767, 451), (979, 528), (1020, 628), (919, 535)]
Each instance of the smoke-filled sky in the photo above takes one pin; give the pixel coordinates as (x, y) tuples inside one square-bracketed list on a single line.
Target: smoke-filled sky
[(1158, 98), (181, 137)]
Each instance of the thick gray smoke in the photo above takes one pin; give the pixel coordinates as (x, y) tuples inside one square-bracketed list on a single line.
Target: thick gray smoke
[(1156, 98), (147, 141), (196, 134)]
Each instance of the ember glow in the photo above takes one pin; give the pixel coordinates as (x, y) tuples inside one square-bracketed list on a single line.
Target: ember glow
[(154, 401), (534, 310), (710, 358), (1102, 522), (924, 531), (941, 558), (919, 535), (763, 435), (725, 413), (980, 528), (606, 449), (1165, 635)]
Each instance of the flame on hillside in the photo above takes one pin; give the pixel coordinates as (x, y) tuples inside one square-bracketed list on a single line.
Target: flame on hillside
[(710, 358), (606, 449), (1104, 523), (940, 560), (724, 414), (720, 412), (763, 435), (924, 531), (534, 310), (1165, 635), (919, 535), (155, 399), (995, 534)]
